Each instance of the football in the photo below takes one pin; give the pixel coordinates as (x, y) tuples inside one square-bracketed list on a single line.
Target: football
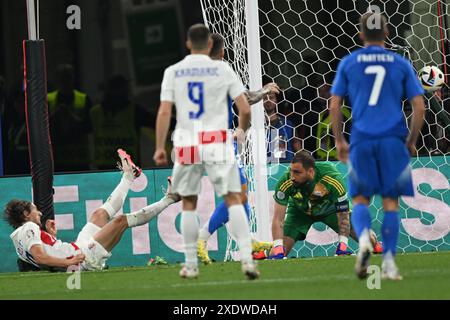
[(431, 78)]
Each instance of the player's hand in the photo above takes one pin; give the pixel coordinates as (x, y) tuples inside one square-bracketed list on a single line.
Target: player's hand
[(77, 259), (342, 150), (239, 136), (272, 88), (160, 157), (50, 226), (411, 147), (277, 253)]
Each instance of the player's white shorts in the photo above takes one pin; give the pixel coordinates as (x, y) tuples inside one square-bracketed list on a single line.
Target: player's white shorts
[(217, 160), (96, 255)]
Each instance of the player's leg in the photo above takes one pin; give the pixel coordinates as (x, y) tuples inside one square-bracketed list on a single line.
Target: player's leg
[(396, 181), (219, 218), (227, 183), (389, 230), (363, 183), (112, 232), (377, 245), (115, 201), (187, 183)]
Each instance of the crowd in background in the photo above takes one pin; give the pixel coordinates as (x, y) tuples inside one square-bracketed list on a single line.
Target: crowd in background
[(85, 134)]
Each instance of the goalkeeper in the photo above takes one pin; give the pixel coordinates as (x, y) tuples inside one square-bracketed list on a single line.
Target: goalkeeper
[(309, 192), (220, 214)]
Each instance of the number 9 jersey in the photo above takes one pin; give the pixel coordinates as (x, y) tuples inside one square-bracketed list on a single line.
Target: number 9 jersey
[(200, 88)]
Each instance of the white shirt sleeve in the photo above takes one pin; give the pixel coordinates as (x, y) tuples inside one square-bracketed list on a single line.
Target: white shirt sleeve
[(31, 235), (236, 88), (168, 86)]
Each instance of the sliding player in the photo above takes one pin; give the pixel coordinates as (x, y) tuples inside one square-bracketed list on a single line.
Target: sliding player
[(95, 241)]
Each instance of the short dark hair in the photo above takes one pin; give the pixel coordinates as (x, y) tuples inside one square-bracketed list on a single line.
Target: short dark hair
[(305, 158), (199, 35), (14, 212), (372, 30), (218, 45)]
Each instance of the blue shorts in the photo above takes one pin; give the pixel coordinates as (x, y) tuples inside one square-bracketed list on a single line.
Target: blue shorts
[(241, 167), (242, 175), (380, 166)]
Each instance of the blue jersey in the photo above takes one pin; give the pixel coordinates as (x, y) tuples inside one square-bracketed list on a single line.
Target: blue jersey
[(376, 80)]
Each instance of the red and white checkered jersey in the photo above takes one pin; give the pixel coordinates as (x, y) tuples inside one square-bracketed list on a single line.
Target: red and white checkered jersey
[(201, 89), (30, 234)]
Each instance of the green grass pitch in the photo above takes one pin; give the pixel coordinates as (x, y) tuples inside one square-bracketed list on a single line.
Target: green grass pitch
[(426, 276)]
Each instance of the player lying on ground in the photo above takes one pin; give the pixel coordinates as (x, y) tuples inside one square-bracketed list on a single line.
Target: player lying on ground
[(376, 80), (200, 88), (95, 241), (220, 214), (309, 192)]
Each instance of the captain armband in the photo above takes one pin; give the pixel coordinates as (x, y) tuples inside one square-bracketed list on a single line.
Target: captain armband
[(342, 206)]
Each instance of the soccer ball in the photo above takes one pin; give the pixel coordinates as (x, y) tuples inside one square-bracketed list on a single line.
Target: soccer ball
[(431, 78)]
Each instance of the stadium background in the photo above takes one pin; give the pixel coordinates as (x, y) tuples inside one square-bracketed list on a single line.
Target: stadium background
[(115, 39)]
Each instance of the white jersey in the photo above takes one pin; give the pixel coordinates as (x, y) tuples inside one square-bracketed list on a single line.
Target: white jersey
[(201, 89), (30, 234)]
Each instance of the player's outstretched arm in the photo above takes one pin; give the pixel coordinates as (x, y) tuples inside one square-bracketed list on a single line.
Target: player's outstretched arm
[(162, 129), (256, 96), (43, 259), (244, 117), (277, 230), (336, 125), (418, 105)]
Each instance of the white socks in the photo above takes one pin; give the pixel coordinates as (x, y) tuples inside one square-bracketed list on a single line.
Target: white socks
[(189, 230), (147, 213), (204, 233), (241, 230), (343, 239), (117, 197)]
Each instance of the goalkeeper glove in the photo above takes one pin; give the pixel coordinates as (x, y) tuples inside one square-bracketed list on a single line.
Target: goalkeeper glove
[(277, 253)]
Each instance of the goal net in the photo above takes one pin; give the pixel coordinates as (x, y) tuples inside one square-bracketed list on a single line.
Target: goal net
[(302, 42)]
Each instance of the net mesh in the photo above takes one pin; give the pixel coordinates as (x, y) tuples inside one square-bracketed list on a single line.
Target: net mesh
[(302, 43)]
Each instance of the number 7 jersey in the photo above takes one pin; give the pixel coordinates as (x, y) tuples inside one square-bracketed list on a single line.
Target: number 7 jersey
[(375, 81), (200, 89)]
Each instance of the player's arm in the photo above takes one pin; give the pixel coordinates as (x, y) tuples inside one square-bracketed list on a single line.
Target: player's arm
[(338, 92), (278, 251), (336, 125), (256, 96), (244, 117), (162, 129), (343, 216), (418, 105), (278, 221), (42, 258), (167, 99)]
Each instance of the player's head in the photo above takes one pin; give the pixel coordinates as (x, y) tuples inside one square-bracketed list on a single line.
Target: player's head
[(218, 47), (302, 168), (373, 28), (270, 102), (199, 38), (17, 212)]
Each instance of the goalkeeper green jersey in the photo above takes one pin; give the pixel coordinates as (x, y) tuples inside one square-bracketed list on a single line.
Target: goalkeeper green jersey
[(319, 197)]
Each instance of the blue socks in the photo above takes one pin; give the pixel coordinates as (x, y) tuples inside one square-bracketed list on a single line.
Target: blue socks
[(220, 216), (361, 218), (389, 231)]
